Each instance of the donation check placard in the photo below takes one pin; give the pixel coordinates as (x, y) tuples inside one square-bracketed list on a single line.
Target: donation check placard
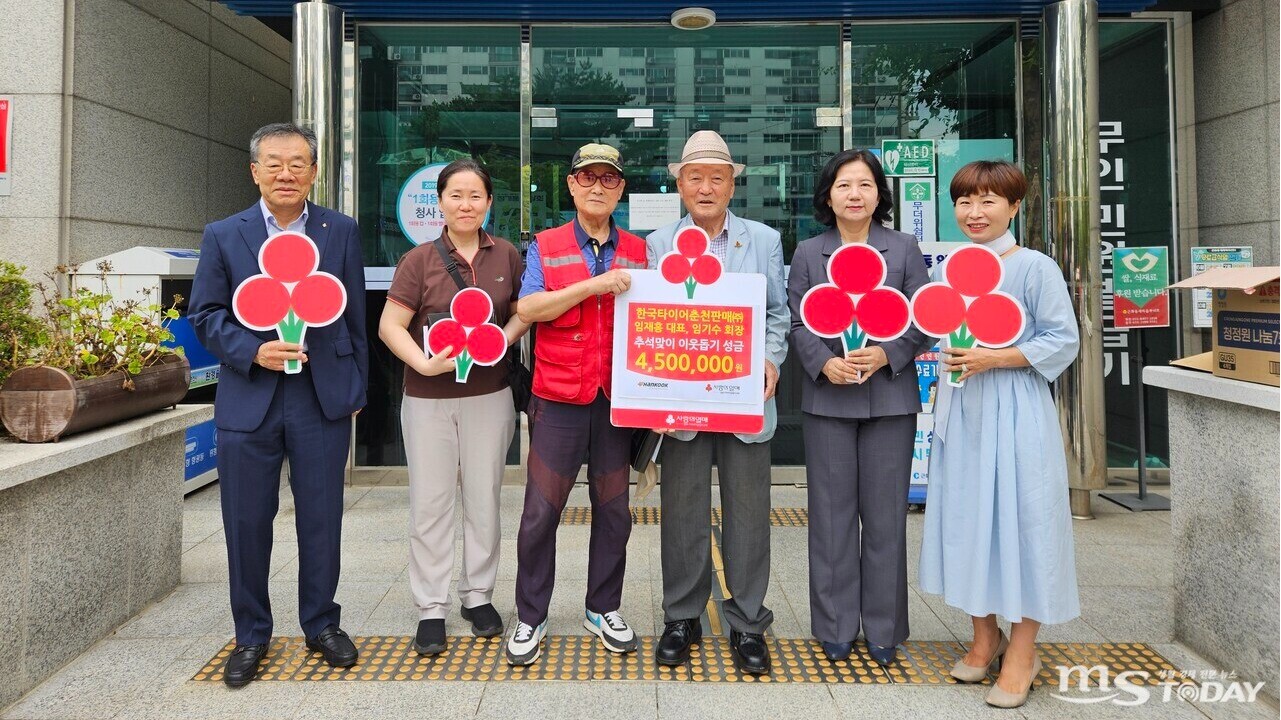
[(690, 363)]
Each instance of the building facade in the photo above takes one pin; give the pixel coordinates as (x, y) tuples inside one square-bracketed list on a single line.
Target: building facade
[(132, 117)]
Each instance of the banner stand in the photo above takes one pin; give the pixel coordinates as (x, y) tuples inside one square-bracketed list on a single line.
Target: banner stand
[(1142, 500)]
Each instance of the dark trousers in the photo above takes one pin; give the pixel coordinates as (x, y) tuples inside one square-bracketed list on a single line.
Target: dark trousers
[(858, 472), (249, 478), (564, 436), (686, 494)]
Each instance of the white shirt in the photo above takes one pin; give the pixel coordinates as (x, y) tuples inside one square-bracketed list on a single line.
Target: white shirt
[(273, 227)]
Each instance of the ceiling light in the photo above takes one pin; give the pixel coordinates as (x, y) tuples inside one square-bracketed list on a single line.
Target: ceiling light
[(694, 18)]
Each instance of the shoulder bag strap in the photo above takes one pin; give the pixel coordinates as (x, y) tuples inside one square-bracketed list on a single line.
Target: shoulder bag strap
[(451, 267)]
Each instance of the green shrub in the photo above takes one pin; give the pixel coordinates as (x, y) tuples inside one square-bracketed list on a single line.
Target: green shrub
[(90, 334), (19, 331)]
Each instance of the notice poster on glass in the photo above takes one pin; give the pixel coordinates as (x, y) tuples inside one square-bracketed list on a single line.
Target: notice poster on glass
[(1208, 258), (650, 211), (418, 206)]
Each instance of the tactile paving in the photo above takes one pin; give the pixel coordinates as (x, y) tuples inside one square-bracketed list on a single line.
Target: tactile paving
[(647, 515), (582, 658), (926, 663)]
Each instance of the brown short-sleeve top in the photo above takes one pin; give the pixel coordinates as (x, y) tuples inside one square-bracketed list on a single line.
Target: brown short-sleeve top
[(423, 286)]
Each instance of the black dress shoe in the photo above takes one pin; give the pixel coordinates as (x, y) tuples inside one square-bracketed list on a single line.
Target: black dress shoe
[(837, 650), (337, 647), (751, 654), (678, 637), (485, 620), (430, 638), (242, 666), (882, 655)]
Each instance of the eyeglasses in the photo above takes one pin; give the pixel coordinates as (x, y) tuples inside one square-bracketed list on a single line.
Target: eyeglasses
[(587, 178), (295, 168)]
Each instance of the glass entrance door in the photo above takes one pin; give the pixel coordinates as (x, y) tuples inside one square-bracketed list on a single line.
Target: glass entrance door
[(772, 92)]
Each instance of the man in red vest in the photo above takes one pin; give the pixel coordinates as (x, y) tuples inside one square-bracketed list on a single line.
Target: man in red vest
[(572, 274)]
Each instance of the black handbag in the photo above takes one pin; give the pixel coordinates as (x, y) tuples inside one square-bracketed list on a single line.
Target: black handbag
[(644, 443), (519, 378)]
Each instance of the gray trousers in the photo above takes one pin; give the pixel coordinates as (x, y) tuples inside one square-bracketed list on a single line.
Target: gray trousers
[(858, 475), (442, 438), (686, 493)]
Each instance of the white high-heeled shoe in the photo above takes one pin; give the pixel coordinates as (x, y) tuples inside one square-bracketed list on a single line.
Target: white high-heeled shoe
[(972, 673), (996, 697)]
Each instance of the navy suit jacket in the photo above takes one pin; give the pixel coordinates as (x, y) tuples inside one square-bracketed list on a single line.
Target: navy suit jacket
[(337, 354)]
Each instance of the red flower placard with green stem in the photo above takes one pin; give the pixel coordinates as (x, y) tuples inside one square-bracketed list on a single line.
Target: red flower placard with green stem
[(290, 295), (467, 333), (968, 309), (855, 306), (690, 263)]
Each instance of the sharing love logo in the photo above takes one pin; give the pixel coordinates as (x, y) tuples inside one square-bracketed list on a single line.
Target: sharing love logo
[(467, 335), (690, 263), (290, 294), (967, 308), (856, 305)]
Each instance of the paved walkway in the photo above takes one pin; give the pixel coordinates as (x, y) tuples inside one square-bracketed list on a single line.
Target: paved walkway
[(144, 669)]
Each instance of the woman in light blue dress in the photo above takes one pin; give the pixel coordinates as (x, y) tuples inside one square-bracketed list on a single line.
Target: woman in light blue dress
[(998, 531)]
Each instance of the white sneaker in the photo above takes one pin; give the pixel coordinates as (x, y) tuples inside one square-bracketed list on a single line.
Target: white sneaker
[(526, 643), (612, 631)]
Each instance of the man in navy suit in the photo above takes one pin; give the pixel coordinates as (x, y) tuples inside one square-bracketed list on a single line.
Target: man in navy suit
[(264, 415)]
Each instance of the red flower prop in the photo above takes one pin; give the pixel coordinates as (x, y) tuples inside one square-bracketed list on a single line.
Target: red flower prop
[(968, 309), (855, 306), (690, 263), (290, 295), (472, 339)]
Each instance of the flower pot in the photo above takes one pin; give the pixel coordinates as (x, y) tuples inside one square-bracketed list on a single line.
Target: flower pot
[(41, 403)]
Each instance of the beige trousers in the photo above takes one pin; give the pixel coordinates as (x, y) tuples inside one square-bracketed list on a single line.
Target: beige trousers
[(442, 438)]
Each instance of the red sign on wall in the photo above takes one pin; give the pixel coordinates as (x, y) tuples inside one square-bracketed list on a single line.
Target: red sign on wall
[(6, 142)]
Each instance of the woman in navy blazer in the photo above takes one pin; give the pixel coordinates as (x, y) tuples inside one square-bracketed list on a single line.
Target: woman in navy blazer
[(859, 422)]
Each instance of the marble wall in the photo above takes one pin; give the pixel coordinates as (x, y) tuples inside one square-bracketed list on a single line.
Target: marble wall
[(1235, 68), (1224, 524), (86, 548), (131, 122)]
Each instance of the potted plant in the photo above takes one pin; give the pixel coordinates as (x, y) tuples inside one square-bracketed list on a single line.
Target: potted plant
[(86, 361)]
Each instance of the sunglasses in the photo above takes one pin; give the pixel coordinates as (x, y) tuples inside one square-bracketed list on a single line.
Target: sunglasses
[(587, 178)]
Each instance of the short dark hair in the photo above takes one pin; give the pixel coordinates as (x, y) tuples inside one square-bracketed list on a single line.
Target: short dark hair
[(464, 165), (827, 178), (994, 176), (282, 130)]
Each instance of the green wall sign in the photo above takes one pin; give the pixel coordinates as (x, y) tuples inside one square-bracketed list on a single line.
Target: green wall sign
[(908, 158)]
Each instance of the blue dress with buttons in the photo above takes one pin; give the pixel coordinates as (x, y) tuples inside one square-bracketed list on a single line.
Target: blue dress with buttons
[(998, 528)]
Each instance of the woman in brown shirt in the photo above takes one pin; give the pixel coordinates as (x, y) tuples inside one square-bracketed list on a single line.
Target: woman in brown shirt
[(448, 425)]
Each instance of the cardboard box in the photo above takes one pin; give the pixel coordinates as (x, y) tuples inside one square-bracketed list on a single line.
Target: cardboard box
[(1247, 323)]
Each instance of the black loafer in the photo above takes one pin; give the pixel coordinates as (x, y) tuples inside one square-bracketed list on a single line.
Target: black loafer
[(337, 647), (751, 654), (242, 666), (430, 638), (678, 637), (485, 620), (836, 651)]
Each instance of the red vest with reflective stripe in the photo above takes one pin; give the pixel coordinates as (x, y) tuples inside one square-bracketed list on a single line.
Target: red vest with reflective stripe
[(573, 352)]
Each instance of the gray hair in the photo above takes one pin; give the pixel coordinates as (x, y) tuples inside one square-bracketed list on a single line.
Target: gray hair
[(275, 130)]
